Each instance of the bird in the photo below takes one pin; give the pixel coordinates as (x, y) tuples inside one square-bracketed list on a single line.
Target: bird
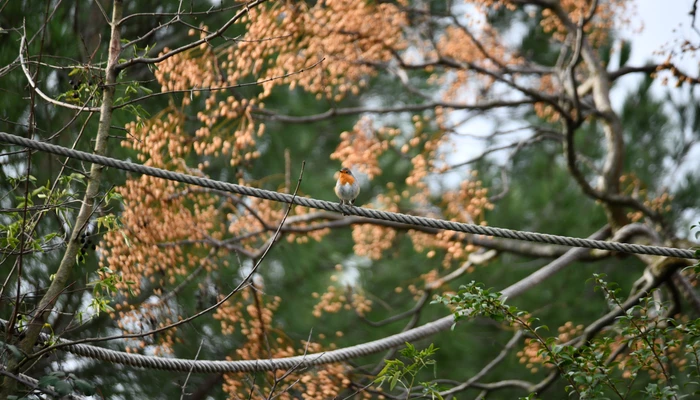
[(347, 188)]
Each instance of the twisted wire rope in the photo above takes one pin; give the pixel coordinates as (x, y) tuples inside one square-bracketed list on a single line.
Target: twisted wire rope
[(286, 363), (351, 210), (308, 360)]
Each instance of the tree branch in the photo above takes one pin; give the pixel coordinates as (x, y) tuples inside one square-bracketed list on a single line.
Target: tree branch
[(65, 268), (272, 116), (206, 39), (83, 108)]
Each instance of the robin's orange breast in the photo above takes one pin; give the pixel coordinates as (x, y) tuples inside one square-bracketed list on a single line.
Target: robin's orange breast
[(346, 179)]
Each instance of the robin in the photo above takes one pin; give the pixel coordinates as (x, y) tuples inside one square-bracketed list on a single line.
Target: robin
[(347, 188)]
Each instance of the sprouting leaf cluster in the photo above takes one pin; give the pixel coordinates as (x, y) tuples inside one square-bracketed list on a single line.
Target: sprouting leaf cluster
[(397, 371), (605, 361)]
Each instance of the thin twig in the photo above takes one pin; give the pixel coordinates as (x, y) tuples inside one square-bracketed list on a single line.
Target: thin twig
[(184, 386), (43, 95), (191, 45), (217, 88), (241, 285)]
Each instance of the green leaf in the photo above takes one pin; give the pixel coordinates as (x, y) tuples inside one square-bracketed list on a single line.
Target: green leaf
[(78, 177), (15, 351), (84, 387), (47, 380), (50, 236), (394, 380), (126, 240), (63, 387), (384, 370)]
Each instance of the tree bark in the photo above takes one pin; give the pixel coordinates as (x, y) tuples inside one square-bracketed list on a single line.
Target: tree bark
[(65, 268)]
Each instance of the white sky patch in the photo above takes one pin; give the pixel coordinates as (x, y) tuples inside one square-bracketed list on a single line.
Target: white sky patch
[(350, 274), (275, 270), (665, 23), (52, 82), (246, 268), (662, 26), (15, 169), (467, 144)]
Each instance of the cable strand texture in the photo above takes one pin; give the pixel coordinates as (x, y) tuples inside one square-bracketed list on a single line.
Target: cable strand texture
[(296, 362), (352, 210), (309, 360)]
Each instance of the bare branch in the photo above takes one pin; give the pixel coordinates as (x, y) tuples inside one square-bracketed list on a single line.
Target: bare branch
[(102, 10), (693, 14), (488, 367), (272, 116), (191, 45), (179, 14), (217, 88), (606, 196), (184, 386), (646, 69), (31, 383), (83, 108), (240, 286), (398, 317), (552, 268), (536, 138)]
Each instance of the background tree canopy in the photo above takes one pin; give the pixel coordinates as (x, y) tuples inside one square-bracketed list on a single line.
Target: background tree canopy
[(247, 92)]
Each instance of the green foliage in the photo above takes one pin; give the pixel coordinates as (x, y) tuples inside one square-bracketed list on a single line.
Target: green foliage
[(625, 52), (592, 364), (398, 372), (47, 198), (696, 227), (12, 349), (103, 290), (543, 197), (473, 300), (61, 384), (86, 88), (65, 384)]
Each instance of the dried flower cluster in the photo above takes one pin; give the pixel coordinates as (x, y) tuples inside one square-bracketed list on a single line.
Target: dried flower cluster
[(252, 317), (361, 148), (467, 204), (468, 47), (170, 232), (608, 15), (155, 213), (531, 355), (635, 187), (334, 300), (371, 240), (293, 35)]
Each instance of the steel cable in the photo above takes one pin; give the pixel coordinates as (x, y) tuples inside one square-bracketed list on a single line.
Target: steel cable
[(351, 210)]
